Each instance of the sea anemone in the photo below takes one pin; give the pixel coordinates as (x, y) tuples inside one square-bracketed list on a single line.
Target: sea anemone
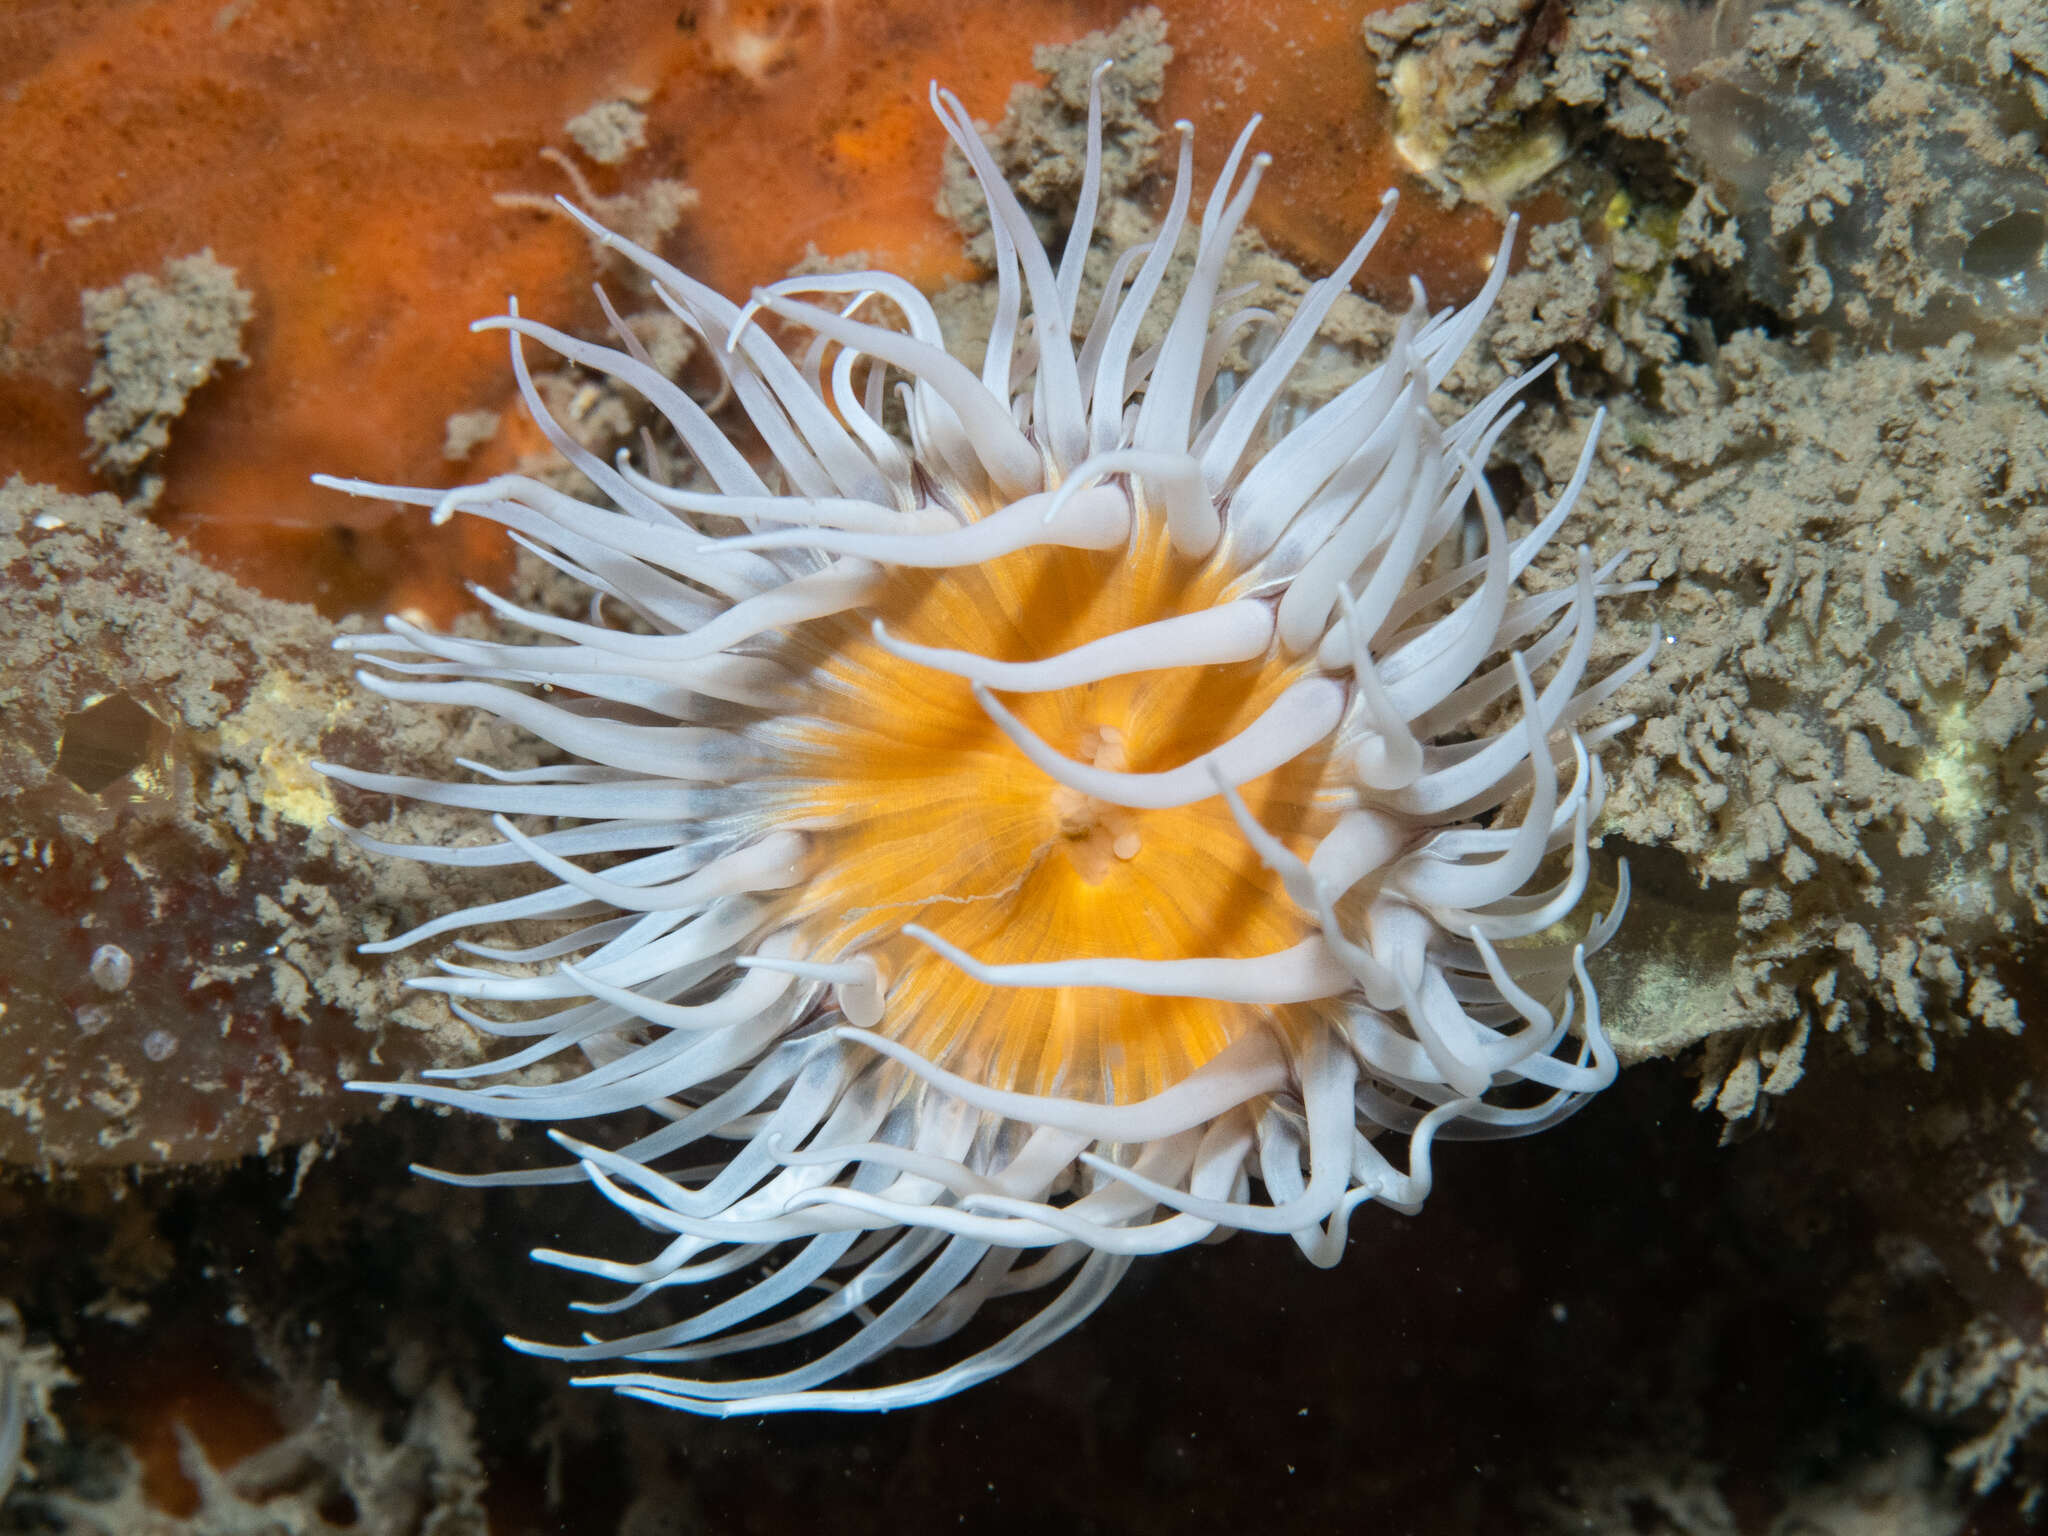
[(1027, 820)]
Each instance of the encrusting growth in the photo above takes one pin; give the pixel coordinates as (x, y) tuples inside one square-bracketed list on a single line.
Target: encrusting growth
[(1044, 817)]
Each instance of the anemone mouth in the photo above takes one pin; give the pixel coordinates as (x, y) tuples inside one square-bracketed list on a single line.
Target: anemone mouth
[(1080, 820), (926, 813)]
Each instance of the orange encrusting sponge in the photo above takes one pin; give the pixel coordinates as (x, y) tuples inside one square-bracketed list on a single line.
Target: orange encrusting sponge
[(345, 160)]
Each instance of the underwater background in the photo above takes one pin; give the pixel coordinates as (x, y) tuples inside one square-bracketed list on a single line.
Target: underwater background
[(1789, 1275)]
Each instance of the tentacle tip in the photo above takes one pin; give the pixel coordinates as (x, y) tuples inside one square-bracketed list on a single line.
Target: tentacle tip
[(596, 229)]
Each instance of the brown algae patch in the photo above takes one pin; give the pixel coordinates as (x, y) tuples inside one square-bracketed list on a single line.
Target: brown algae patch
[(156, 765)]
